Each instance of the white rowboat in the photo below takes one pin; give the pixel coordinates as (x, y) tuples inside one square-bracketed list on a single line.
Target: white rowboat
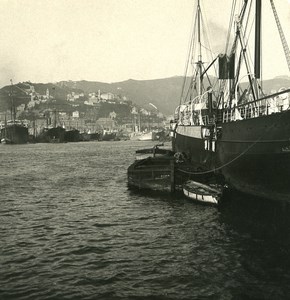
[(202, 192)]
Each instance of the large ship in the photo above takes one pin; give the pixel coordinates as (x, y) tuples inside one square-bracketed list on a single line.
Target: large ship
[(226, 126), (13, 131)]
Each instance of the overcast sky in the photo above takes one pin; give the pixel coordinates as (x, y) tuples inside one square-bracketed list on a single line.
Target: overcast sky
[(113, 40)]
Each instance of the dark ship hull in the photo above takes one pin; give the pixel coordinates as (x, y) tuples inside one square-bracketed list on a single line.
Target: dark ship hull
[(72, 136), (85, 137), (15, 134), (94, 136), (52, 135), (190, 143), (244, 132), (254, 155), (112, 136)]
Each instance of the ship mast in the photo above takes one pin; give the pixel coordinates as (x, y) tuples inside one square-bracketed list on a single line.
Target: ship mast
[(199, 62), (252, 77), (258, 39), (5, 127), (257, 61), (13, 113)]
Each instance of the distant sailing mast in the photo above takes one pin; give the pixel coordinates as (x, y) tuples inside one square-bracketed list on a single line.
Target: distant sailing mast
[(13, 112), (5, 127)]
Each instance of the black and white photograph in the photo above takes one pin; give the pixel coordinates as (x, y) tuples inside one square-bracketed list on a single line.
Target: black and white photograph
[(144, 149)]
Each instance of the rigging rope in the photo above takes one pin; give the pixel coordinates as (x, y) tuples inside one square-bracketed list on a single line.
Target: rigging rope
[(190, 50), (230, 24), (205, 27)]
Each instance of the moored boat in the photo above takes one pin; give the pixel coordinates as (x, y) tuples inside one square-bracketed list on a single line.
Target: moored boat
[(14, 132), (109, 135), (51, 135), (155, 151), (5, 141), (233, 128), (152, 173), (146, 136), (202, 192), (72, 135), (141, 136), (89, 136)]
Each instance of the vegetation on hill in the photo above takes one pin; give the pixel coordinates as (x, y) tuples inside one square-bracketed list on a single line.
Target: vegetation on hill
[(162, 93)]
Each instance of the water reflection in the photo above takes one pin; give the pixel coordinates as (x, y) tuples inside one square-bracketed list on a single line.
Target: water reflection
[(258, 217), (70, 228), (261, 230)]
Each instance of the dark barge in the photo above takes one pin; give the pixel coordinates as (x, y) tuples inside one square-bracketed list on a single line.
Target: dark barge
[(153, 169), (152, 173)]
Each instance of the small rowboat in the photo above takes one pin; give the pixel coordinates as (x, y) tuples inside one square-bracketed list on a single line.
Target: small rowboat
[(202, 192)]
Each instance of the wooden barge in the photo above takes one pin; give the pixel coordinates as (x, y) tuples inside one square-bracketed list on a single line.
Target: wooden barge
[(152, 173), (162, 170)]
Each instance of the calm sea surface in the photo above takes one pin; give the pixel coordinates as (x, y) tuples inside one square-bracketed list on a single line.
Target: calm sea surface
[(70, 229)]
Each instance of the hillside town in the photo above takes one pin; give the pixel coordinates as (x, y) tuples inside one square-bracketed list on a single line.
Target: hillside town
[(44, 107)]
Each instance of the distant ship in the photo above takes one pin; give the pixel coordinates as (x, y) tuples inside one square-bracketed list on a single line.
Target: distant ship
[(54, 133), (13, 131), (90, 136), (51, 135), (109, 135), (223, 126), (146, 136), (72, 135), (155, 135)]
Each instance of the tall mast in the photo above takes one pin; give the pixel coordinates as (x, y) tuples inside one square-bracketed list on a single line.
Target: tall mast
[(5, 128), (13, 117), (258, 39), (199, 63), (54, 123)]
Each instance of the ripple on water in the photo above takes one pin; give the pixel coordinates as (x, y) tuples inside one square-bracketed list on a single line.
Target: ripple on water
[(70, 229)]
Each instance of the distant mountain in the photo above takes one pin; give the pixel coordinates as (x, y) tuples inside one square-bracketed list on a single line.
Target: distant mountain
[(276, 83), (163, 93)]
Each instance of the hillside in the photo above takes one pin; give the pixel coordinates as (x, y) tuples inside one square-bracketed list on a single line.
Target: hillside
[(21, 93), (163, 93)]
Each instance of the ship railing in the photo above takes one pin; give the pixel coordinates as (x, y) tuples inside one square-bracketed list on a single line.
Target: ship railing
[(264, 106), (205, 120), (247, 111), (190, 112)]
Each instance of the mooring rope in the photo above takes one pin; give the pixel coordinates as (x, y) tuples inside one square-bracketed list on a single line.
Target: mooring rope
[(230, 162)]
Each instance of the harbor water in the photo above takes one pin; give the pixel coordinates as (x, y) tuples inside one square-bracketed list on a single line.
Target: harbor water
[(70, 229)]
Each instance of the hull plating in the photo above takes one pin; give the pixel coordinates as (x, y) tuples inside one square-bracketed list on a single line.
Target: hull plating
[(253, 155), (16, 134), (188, 140)]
